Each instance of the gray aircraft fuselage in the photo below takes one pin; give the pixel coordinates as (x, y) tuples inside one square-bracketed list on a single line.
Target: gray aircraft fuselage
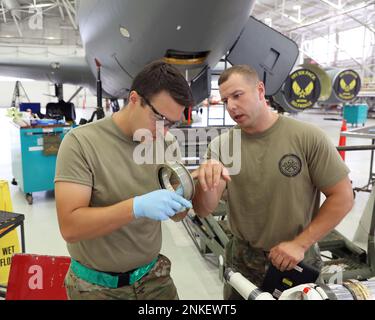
[(191, 34)]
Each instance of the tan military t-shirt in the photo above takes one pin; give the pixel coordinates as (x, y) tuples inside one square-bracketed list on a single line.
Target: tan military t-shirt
[(100, 156), (275, 195)]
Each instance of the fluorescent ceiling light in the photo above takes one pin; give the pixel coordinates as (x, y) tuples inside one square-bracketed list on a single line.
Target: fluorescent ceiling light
[(268, 21), (15, 79), (124, 32)]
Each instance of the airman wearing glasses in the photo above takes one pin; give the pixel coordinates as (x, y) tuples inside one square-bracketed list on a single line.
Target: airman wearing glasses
[(168, 124), (109, 207)]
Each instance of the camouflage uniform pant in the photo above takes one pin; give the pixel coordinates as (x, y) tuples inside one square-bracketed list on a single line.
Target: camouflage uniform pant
[(253, 263), (156, 285), (250, 262)]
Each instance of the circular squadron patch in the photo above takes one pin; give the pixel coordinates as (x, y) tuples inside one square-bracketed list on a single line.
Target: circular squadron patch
[(347, 85), (302, 89), (290, 165)]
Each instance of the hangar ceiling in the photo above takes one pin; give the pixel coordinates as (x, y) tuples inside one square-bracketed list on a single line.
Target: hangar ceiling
[(36, 23), (325, 19)]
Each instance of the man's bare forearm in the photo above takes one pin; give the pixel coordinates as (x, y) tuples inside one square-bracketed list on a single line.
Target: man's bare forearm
[(205, 202), (333, 210), (88, 223)]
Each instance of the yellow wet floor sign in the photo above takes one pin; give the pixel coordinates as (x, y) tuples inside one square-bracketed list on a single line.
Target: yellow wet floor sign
[(9, 244)]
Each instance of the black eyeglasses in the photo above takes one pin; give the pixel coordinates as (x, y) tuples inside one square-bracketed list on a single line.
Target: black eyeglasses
[(167, 123)]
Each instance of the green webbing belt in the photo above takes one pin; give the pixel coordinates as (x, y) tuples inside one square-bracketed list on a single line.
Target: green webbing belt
[(105, 279), (141, 271)]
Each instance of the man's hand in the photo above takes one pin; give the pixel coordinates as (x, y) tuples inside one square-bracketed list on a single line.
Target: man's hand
[(159, 205), (209, 174), (286, 255)]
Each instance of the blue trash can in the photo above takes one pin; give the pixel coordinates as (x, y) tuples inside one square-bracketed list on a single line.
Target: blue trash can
[(355, 113), (34, 152)]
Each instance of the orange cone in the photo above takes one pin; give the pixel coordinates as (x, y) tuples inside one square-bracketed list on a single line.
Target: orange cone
[(189, 120), (342, 141)]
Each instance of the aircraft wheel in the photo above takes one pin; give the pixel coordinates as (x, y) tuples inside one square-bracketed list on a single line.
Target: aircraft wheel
[(29, 198)]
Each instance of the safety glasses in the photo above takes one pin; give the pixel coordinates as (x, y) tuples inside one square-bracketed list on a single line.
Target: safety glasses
[(159, 117)]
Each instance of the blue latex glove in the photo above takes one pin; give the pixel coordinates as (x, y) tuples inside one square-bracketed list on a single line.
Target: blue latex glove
[(159, 205)]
